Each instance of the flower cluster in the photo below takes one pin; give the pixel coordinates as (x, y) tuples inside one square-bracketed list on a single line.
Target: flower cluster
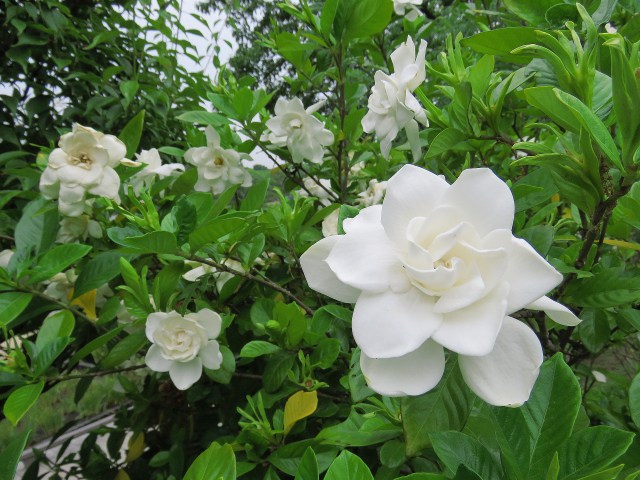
[(182, 345), (436, 266), (392, 105), (218, 168), (297, 129), (84, 163)]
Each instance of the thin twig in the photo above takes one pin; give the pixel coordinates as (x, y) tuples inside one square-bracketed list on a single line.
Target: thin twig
[(262, 280), (97, 373)]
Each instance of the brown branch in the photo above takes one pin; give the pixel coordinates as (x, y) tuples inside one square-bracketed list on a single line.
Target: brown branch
[(262, 280)]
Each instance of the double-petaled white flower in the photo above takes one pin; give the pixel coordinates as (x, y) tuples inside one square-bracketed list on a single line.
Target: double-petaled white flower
[(297, 129), (436, 266), (320, 188), (153, 166), (83, 163), (373, 194), (392, 105), (407, 8), (182, 345), (218, 168)]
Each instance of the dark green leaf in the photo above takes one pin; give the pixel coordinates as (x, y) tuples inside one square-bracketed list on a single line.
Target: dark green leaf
[(124, 350), (132, 131), (10, 456), (348, 467), (455, 449), (57, 259)]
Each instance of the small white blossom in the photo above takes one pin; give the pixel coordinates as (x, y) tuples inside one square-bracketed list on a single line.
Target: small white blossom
[(182, 345), (74, 228), (392, 105), (330, 223), (153, 166), (610, 28), (373, 194), (407, 8), (316, 189), (218, 168), (83, 163), (297, 129)]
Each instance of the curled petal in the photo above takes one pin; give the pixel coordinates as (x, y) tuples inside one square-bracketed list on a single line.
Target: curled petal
[(482, 199), (209, 320), (412, 192), (412, 374), (319, 275), (116, 149), (393, 324), (555, 311), (529, 275), (505, 377), (473, 330), (210, 355)]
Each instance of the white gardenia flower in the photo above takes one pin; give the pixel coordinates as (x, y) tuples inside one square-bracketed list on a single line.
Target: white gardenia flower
[(182, 345), (392, 105), (83, 163), (436, 266), (153, 166), (297, 129), (316, 189), (330, 223), (218, 168), (407, 8), (373, 194), (78, 228)]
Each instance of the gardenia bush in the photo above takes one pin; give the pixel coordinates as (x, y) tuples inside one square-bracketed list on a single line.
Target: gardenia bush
[(435, 276)]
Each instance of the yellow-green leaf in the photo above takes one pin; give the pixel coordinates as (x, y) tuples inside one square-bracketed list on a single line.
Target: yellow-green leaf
[(136, 447), (299, 405)]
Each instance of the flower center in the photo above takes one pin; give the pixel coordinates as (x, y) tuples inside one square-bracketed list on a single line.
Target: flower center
[(295, 123), (83, 160), (219, 161)]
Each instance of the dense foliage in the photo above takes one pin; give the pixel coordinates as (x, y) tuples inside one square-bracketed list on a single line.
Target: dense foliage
[(138, 243)]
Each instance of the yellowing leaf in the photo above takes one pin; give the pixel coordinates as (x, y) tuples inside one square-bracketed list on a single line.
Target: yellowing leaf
[(86, 301), (122, 475), (136, 447), (299, 405), (622, 244)]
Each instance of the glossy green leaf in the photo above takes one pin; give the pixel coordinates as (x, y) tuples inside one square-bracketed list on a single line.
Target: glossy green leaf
[(591, 450), (10, 456), (132, 131), (57, 259), (634, 400), (456, 448), (257, 348), (445, 408), (20, 401), (217, 462), (12, 304), (308, 468), (348, 467), (124, 350)]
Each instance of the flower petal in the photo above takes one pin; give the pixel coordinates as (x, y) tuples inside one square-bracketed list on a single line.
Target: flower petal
[(153, 322), (209, 320), (411, 374), (393, 324), (483, 200), (365, 258), (319, 275), (185, 374), (555, 311), (155, 361), (473, 330), (506, 375), (108, 186), (115, 147), (528, 274), (210, 355), (412, 192)]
